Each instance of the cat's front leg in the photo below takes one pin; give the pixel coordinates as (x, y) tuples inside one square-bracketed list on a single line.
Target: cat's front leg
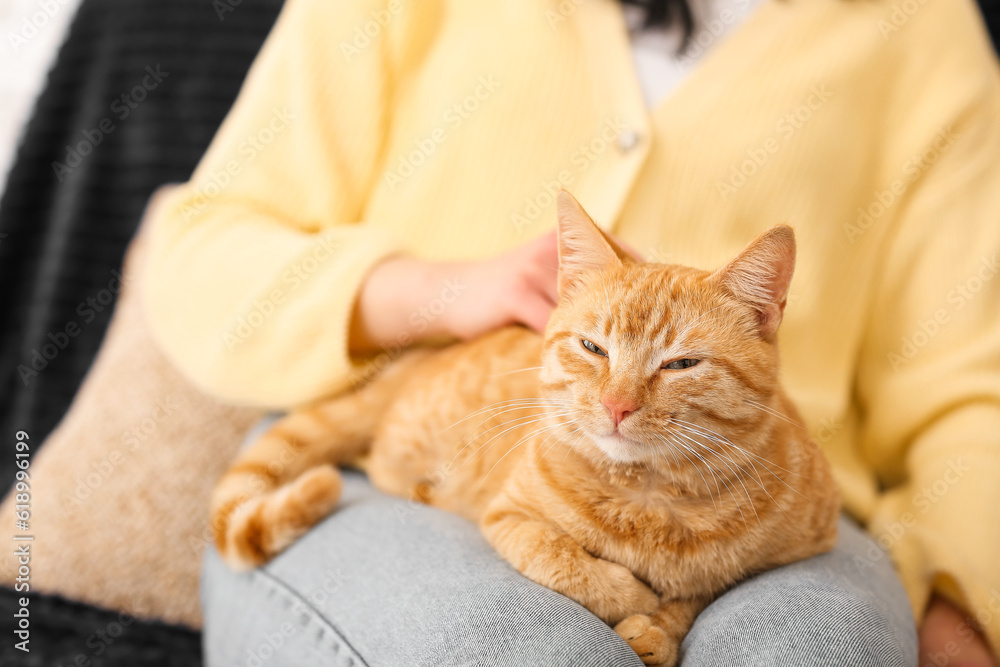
[(656, 637), (548, 556)]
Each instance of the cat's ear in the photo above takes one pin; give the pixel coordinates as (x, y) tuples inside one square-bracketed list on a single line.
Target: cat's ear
[(583, 246), (761, 274)]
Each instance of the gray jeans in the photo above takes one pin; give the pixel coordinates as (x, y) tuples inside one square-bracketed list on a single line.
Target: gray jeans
[(387, 583)]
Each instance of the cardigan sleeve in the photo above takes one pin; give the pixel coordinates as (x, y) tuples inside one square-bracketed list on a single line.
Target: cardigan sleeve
[(929, 368), (256, 261)]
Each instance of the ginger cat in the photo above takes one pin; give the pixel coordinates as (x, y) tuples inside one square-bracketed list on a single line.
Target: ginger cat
[(639, 459)]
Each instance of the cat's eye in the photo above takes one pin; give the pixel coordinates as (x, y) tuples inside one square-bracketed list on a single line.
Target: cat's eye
[(680, 364), (590, 347)]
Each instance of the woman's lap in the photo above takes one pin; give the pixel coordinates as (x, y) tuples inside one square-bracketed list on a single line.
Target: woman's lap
[(383, 582)]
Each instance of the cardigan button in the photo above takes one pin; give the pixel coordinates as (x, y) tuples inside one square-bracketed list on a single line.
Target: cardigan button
[(628, 140)]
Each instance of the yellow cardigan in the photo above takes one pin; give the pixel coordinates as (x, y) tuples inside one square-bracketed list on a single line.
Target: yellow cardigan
[(444, 128)]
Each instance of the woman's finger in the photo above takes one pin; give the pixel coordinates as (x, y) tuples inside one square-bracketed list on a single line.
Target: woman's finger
[(534, 310), (544, 279)]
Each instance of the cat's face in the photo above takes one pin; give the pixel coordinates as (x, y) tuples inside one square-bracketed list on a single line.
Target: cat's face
[(649, 362), (646, 353)]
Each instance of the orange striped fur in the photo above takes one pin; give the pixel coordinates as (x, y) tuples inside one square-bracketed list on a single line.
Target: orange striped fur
[(640, 491)]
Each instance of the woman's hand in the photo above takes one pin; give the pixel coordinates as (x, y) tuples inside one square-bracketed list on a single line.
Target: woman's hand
[(946, 638), (517, 287), (405, 300)]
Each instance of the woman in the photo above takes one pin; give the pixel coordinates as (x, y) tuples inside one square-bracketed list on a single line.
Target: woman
[(388, 175)]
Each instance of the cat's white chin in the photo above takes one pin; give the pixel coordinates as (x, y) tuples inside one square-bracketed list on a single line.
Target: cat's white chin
[(620, 448)]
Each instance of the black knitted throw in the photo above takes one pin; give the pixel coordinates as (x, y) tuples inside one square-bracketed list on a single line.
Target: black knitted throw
[(991, 12), (69, 634)]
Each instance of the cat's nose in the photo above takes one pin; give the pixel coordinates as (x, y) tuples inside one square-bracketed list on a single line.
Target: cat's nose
[(619, 408)]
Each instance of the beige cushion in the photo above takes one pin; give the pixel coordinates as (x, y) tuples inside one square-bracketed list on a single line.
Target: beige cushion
[(119, 492)]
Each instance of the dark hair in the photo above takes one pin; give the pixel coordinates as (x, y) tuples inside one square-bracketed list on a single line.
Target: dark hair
[(661, 13)]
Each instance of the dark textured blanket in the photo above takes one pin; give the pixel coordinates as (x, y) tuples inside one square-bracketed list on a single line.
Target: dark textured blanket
[(991, 12), (68, 634)]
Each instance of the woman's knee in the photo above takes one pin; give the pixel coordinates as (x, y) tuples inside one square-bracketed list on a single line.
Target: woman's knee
[(808, 623), (823, 611)]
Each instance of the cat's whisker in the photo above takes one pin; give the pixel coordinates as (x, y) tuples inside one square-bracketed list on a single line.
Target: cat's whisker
[(532, 418), (670, 468), (720, 453), (763, 461), (748, 456), (521, 441), (760, 483), (759, 479), (499, 405), (569, 450), (559, 439), (659, 450), (538, 430), (557, 432), (722, 440), (715, 474), (524, 421), (673, 458), (537, 407), (553, 428), (719, 437), (715, 477), (732, 491), (772, 412), (683, 451), (540, 400), (697, 469), (487, 445), (725, 461), (519, 370)]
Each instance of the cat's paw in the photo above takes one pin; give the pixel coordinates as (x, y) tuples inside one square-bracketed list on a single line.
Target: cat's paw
[(649, 641), (626, 595), (304, 502), (317, 492), (239, 543), (264, 526)]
